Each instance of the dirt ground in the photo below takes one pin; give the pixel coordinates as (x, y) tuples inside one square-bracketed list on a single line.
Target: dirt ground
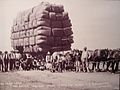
[(45, 80)]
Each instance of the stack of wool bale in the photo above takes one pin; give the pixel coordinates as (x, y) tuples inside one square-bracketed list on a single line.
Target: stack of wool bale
[(45, 27)]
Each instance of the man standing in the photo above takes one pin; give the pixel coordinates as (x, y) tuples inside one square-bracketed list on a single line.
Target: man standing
[(59, 61), (6, 60), (77, 62), (12, 60), (1, 61), (29, 64), (48, 57), (84, 59)]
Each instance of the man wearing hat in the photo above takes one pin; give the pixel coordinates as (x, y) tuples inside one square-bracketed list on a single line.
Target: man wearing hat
[(12, 60), (6, 60), (1, 61), (84, 59), (48, 57)]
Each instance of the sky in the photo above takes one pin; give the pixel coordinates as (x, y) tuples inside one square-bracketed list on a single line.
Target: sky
[(95, 23)]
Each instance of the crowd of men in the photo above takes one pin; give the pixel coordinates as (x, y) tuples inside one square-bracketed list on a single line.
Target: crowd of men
[(74, 60)]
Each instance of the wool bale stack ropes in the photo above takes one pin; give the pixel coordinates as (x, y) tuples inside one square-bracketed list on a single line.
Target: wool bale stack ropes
[(46, 27)]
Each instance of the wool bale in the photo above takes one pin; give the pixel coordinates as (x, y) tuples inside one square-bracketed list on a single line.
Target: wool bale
[(41, 37), (20, 27), (17, 42), (46, 22), (50, 40), (57, 8), (23, 27), (21, 42), (34, 23), (17, 35), (43, 32), (70, 38), (39, 15), (42, 11), (31, 32), (32, 17), (30, 25), (68, 31), (41, 42), (57, 41), (56, 24), (26, 41), (14, 35), (65, 15), (52, 16), (58, 32), (66, 47), (22, 34), (27, 33), (59, 16), (26, 25), (32, 40), (27, 14), (55, 49), (67, 40), (66, 23), (42, 14), (43, 28)]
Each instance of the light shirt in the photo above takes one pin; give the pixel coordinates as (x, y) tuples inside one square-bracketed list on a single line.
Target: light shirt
[(12, 56), (48, 58), (84, 55), (18, 55)]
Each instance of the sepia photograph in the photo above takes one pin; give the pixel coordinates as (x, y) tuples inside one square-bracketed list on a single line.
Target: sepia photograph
[(59, 44)]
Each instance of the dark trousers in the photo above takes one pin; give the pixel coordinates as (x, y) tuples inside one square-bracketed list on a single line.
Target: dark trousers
[(1, 66), (29, 65), (104, 63), (98, 65), (84, 66), (6, 62), (108, 65), (115, 66), (12, 64), (60, 67), (94, 66)]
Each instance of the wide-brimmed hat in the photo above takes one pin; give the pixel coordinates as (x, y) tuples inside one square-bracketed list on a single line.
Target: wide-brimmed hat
[(48, 53), (0, 52), (6, 51)]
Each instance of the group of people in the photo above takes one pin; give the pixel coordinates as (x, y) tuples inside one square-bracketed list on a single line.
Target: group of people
[(9, 61), (85, 60), (74, 60)]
